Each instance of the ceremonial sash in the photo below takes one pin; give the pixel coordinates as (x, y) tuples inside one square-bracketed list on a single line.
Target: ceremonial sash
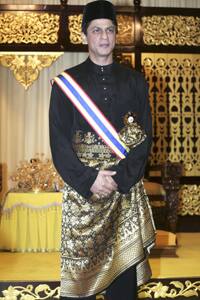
[(91, 113)]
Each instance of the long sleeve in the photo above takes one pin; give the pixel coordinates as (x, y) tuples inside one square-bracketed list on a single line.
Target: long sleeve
[(131, 169), (66, 162)]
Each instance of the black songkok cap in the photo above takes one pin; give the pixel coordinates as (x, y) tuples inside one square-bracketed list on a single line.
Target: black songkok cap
[(100, 9)]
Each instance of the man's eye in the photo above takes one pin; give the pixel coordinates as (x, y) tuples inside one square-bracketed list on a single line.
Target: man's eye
[(111, 29), (96, 30)]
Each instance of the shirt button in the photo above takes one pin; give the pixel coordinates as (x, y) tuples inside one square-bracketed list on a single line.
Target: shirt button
[(103, 78), (105, 98), (101, 69), (105, 88)]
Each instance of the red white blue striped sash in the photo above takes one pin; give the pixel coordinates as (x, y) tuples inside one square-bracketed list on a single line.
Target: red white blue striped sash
[(91, 113)]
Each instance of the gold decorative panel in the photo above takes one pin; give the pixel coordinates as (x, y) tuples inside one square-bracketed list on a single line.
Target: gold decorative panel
[(34, 28), (124, 36), (74, 26), (180, 289), (31, 292), (125, 58), (174, 88), (189, 200), (173, 289), (125, 30), (171, 30), (26, 66)]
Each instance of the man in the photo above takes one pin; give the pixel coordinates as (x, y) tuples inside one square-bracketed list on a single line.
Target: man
[(107, 227)]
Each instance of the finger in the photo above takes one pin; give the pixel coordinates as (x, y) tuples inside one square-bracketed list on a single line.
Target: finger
[(105, 189), (108, 172), (110, 183), (109, 188), (105, 195)]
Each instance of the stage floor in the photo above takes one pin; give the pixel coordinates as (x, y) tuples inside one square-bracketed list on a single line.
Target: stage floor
[(46, 266)]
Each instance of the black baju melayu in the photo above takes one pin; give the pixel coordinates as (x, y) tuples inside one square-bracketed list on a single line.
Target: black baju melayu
[(102, 238)]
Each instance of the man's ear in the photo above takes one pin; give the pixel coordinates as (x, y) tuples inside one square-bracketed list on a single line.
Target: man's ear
[(84, 38)]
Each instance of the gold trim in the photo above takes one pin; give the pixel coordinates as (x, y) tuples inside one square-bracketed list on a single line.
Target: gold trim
[(26, 66), (173, 289), (171, 30), (34, 28)]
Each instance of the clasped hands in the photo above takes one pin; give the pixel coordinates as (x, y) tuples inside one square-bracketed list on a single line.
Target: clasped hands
[(104, 184)]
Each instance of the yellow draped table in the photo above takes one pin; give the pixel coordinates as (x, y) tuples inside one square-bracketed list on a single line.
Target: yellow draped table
[(31, 222)]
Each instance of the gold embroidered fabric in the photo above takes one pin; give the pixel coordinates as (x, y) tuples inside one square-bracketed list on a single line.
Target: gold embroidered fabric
[(101, 238)]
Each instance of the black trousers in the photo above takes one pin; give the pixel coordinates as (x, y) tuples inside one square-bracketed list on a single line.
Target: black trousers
[(124, 287)]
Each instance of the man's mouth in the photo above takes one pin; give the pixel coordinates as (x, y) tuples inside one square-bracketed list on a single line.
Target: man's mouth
[(104, 45)]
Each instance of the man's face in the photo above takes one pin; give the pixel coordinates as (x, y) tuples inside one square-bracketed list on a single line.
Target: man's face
[(101, 36)]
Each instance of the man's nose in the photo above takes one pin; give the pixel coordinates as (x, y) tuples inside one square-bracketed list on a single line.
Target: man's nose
[(104, 34)]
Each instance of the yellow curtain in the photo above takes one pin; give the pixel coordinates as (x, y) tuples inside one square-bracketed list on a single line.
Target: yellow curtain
[(31, 222)]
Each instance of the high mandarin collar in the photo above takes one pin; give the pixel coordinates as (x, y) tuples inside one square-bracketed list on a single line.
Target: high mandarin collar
[(105, 69)]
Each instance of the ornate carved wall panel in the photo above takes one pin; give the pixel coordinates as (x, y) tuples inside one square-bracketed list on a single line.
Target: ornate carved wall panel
[(189, 200), (125, 58), (171, 30), (29, 27), (175, 102), (174, 86), (74, 27), (58, 27), (26, 66)]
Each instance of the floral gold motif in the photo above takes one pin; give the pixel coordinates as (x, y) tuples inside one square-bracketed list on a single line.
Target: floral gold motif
[(171, 30), (152, 290), (27, 28), (42, 291), (157, 290), (125, 33), (74, 26), (189, 202), (27, 66)]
